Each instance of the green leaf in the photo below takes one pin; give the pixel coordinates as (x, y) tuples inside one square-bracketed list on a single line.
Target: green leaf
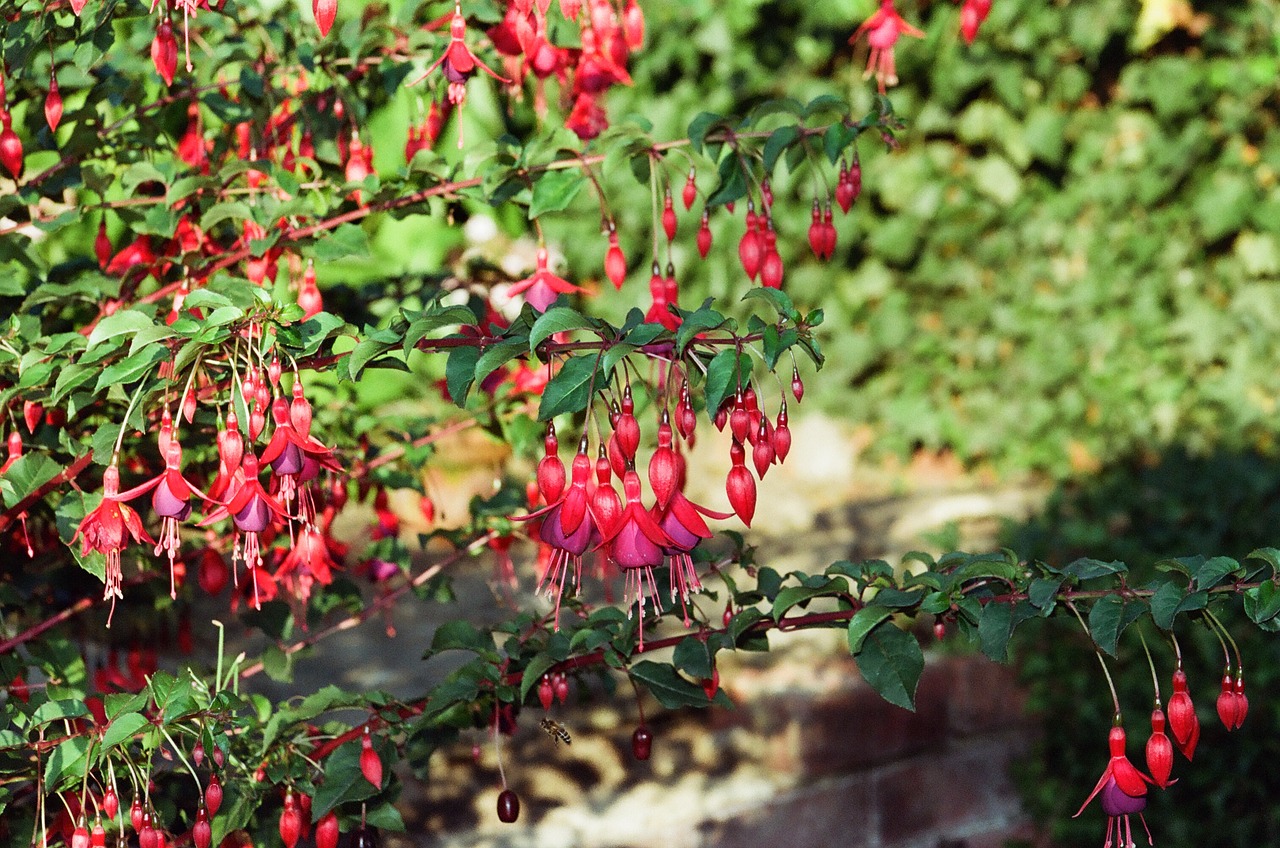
[(558, 319), (694, 657), (1087, 569), (119, 323), (555, 190), (1271, 556), (1170, 599), (1104, 622), (348, 240), (727, 370), (498, 355), (1262, 602), (891, 662), (994, 630), (533, 672), (231, 210), (27, 474), (460, 372), (365, 352), (1043, 593), (700, 126), (123, 728), (570, 390), (671, 690), (777, 144), (460, 635), (1214, 571), (57, 711), (863, 622), (798, 595), (702, 319)]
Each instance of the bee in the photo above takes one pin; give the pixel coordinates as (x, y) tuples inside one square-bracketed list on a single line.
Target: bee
[(556, 731)]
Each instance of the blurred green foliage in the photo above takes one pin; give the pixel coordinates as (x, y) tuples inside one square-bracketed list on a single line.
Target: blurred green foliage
[(1141, 511)]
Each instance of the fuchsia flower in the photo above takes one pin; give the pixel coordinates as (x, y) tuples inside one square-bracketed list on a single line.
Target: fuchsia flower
[(251, 510), (171, 499), (307, 563), (1183, 721), (568, 528), (883, 29), (637, 543), (1124, 792), (542, 286), (106, 530), (295, 456), (457, 62)]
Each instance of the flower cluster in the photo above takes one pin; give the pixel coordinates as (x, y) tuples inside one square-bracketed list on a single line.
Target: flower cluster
[(583, 512)]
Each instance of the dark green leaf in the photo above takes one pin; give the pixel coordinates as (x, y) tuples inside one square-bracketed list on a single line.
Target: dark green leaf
[(863, 622), (671, 690), (460, 372), (558, 319), (555, 190), (892, 662), (570, 390)]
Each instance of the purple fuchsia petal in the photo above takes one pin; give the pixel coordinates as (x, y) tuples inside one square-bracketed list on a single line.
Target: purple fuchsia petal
[(633, 549), (254, 517), (167, 504), (576, 543), (1116, 803), (290, 460)]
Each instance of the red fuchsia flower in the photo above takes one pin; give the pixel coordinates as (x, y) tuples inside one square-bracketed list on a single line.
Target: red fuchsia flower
[(568, 528), (682, 521), (1159, 750), (457, 62), (637, 544), (1123, 792), (541, 288), (883, 29), (1183, 721), (250, 509), (587, 119), (1232, 703), (171, 499), (295, 456), (972, 14), (106, 530), (307, 563)]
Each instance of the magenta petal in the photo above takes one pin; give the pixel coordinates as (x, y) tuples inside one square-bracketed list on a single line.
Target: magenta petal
[(683, 538), (310, 469), (167, 504), (540, 296), (289, 461), (633, 549), (553, 534), (255, 517), (1116, 803)]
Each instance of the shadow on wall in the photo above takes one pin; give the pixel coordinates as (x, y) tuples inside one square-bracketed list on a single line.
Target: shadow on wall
[(1139, 512)]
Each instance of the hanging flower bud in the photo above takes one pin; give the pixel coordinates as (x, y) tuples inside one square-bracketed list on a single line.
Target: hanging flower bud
[(797, 386), (201, 832), (102, 245), (762, 455), (213, 795), (704, 236), (327, 831), (110, 802), (668, 217), (739, 418), (98, 837), (10, 146), (1159, 751), (817, 233), (53, 103), (290, 826), (325, 11), (828, 233), (546, 692), (627, 428), (137, 815), (370, 764), (664, 465), (1242, 702), (164, 51), (80, 837), (197, 753), (560, 682), (739, 485), (1227, 701), (690, 192), (633, 25), (751, 247), (1183, 721), (782, 435), (615, 264)]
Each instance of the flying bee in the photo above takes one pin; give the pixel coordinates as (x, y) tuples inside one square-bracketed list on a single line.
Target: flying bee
[(556, 731)]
